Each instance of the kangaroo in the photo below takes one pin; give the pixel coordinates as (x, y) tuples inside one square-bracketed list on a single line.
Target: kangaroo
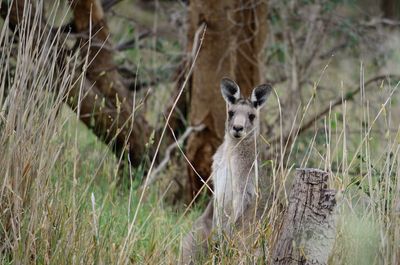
[(234, 172)]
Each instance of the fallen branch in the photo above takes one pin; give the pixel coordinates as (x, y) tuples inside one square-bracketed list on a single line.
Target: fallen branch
[(167, 156), (374, 22)]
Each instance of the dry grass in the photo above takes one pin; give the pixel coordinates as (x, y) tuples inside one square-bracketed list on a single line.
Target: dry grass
[(60, 203)]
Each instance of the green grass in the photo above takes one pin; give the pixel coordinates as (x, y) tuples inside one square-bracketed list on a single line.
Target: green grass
[(115, 205), (60, 198), (62, 201), (102, 227)]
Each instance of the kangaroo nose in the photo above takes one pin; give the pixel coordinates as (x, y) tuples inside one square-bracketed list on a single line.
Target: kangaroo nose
[(238, 128)]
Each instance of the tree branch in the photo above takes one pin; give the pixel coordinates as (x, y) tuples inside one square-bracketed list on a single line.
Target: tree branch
[(106, 106), (339, 101)]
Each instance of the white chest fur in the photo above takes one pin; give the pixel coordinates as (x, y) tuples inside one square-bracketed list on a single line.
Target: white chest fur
[(234, 183)]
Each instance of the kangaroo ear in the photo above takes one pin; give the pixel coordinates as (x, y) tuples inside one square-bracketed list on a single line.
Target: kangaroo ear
[(260, 95), (230, 90)]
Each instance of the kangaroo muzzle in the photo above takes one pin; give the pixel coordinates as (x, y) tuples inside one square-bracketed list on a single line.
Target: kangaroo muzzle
[(238, 126)]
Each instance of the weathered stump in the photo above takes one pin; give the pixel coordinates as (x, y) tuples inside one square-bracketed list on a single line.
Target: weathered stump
[(308, 230)]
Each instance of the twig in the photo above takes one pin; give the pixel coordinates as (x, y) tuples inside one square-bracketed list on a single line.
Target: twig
[(132, 42), (154, 176), (333, 50)]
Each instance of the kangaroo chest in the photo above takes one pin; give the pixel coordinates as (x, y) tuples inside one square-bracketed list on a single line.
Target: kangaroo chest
[(234, 181)]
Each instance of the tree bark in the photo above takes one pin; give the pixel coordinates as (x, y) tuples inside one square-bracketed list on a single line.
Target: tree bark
[(216, 59), (307, 233), (390, 9), (251, 30), (104, 104), (232, 45)]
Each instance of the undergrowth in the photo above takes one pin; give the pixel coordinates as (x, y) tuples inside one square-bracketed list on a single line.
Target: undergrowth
[(61, 202)]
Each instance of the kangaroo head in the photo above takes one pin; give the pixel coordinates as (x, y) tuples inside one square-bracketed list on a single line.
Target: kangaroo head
[(242, 120)]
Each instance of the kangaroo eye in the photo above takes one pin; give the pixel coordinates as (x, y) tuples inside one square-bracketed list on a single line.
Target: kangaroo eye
[(231, 113), (252, 117)]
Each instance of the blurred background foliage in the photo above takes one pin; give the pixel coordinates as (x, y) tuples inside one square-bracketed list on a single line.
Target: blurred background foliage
[(317, 52)]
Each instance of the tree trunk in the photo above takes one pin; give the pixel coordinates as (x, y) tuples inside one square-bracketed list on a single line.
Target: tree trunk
[(390, 9), (232, 45), (116, 120), (216, 59), (307, 233), (251, 30), (104, 104)]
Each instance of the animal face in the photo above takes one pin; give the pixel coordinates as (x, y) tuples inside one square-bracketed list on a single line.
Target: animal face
[(242, 119)]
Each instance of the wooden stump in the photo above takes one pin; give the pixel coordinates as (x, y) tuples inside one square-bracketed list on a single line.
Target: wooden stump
[(308, 230)]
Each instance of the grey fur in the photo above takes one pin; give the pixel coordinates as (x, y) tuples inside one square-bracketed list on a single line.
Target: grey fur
[(233, 173)]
